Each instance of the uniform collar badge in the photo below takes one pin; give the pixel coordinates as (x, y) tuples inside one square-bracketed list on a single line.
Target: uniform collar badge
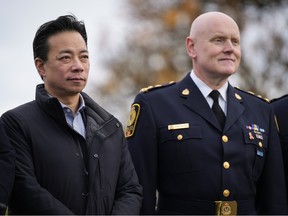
[(185, 92), (238, 96)]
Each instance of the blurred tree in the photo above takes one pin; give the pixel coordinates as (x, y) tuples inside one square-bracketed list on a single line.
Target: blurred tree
[(154, 51)]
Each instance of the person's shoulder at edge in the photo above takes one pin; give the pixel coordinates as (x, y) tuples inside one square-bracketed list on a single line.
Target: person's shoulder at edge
[(278, 99)]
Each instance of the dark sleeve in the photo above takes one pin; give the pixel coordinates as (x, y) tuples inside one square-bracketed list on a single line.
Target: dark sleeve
[(7, 165), (143, 148), (271, 196), (128, 197), (280, 109), (28, 197)]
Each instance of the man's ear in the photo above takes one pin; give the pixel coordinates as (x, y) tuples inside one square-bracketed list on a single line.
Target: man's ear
[(190, 47), (39, 64)]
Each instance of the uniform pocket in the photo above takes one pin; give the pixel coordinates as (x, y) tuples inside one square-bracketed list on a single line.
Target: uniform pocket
[(255, 151), (180, 135), (181, 149)]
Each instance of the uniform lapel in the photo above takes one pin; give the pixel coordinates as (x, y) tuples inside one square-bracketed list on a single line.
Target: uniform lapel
[(235, 107), (195, 101)]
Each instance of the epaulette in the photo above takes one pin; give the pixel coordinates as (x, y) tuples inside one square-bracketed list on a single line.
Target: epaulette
[(149, 88), (252, 93)]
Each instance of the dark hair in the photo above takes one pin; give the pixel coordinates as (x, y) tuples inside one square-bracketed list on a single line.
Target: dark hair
[(61, 24)]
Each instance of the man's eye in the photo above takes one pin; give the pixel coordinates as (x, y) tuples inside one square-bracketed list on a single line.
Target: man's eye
[(84, 58), (65, 57), (219, 39), (236, 42)]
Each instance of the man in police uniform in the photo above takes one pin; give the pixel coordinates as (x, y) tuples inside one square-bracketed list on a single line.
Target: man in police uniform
[(197, 163)]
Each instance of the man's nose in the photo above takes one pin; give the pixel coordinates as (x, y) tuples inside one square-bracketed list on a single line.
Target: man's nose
[(77, 65), (229, 47)]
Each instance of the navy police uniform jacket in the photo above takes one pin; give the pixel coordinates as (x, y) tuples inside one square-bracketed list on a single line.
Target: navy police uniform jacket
[(180, 151), (280, 106)]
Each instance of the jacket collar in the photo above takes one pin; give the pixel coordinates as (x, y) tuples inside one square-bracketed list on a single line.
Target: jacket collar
[(49, 104), (53, 107), (96, 116)]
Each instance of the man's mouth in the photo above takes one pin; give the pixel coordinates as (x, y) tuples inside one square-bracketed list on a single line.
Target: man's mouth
[(76, 79)]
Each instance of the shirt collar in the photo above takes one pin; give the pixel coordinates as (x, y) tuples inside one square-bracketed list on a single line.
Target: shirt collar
[(81, 103), (205, 89)]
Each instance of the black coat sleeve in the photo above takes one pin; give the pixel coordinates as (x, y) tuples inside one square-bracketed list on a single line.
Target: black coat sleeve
[(280, 109), (7, 164)]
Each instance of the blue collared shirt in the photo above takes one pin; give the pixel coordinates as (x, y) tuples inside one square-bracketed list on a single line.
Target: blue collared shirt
[(76, 122)]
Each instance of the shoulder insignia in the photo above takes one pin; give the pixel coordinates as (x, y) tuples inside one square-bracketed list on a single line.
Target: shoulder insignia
[(149, 88), (252, 93), (132, 120)]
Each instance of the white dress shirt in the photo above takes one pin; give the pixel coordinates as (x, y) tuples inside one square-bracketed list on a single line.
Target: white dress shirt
[(205, 90)]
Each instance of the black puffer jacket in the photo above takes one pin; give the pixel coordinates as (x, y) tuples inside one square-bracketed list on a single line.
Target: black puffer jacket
[(50, 174)]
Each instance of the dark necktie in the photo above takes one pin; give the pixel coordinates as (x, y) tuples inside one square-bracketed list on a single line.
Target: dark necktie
[(216, 107)]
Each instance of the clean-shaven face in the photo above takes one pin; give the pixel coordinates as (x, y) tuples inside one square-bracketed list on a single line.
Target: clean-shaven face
[(217, 51), (66, 70)]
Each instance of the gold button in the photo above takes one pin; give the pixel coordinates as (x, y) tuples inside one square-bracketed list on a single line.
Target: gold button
[(226, 165), (260, 144), (224, 138), (226, 193), (180, 137)]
